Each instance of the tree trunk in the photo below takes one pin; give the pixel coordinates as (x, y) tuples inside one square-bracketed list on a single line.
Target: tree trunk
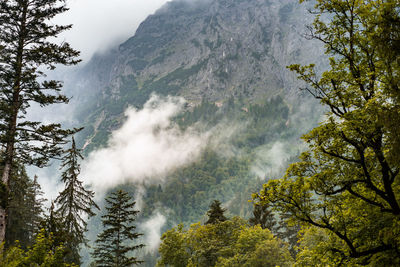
[(5, 179), (12, 121), (3, 216)]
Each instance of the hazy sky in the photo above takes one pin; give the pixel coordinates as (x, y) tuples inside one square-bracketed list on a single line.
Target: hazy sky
[(100, 24)]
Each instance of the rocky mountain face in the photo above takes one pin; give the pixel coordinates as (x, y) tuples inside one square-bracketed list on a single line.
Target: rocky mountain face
[(215, 49), (228, 59), (212, 49)]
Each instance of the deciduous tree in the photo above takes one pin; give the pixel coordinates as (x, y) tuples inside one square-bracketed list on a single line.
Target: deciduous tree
[(347, 185), (228, 243), (42, 253)]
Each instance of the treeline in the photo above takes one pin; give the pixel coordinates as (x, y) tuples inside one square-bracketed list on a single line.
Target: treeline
[(261, 123), (223, 241)]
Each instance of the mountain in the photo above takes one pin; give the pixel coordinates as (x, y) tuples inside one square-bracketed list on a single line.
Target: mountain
[(227, 59), (213, 50)]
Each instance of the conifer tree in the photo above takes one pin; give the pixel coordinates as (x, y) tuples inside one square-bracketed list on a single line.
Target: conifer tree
[(114, 244), (74, 202), (54, 228), (264, 217), (216, 213), (35, 205), (25, 209), (26, 50)]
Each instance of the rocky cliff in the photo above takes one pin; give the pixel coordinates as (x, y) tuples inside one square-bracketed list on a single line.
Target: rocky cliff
[(213, 50)]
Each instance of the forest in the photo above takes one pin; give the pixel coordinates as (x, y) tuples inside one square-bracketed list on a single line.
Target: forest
[(338, 203)]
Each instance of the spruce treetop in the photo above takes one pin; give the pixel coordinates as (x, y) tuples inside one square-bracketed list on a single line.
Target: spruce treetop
[(114, 245), (216, 213)]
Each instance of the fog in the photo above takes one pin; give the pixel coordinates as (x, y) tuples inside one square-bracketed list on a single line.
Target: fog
[(144, 149), (152, 228), (100, 24)]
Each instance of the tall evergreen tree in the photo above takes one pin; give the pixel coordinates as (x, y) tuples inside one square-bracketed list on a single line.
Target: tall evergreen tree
[(53, 227), (25, 209), (74, 202), (216, 213), (25, 50), (113, 245), (35, 205)]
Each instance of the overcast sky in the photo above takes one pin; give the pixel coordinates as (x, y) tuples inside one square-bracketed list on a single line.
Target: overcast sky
[(101, 24)]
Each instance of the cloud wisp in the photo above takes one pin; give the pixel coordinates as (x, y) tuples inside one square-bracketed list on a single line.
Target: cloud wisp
[(152, 229), (144, 149)]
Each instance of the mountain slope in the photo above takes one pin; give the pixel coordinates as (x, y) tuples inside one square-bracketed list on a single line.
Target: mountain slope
[(212, 50), (228, 59)]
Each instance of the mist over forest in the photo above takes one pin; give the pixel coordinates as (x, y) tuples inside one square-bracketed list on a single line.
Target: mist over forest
[(199, 133)]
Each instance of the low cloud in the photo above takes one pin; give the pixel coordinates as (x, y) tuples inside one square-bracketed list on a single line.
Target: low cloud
[(146, 148), (152, 231), (270, 160)]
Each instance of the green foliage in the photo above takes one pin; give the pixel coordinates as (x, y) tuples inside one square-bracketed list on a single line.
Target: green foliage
[(41, 254), (189, 190), (25, 211), (228, 243), (54, 228), (114, 245), (346, 189), (74, 202), (26, 50), (173, 248), (257, 247), (263, 216), (265, 123)]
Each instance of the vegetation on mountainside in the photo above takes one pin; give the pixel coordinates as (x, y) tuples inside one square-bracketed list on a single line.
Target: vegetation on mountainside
[(188, 191)]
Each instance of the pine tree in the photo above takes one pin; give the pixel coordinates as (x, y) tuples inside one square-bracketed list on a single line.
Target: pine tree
[(264, 217), (35, 205), (25, 50), (25, 206), (54, 228), (113, 245), (74, 203), (216, 213)]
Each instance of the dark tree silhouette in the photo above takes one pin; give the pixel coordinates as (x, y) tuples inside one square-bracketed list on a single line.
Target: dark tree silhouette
[(216, 213)]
